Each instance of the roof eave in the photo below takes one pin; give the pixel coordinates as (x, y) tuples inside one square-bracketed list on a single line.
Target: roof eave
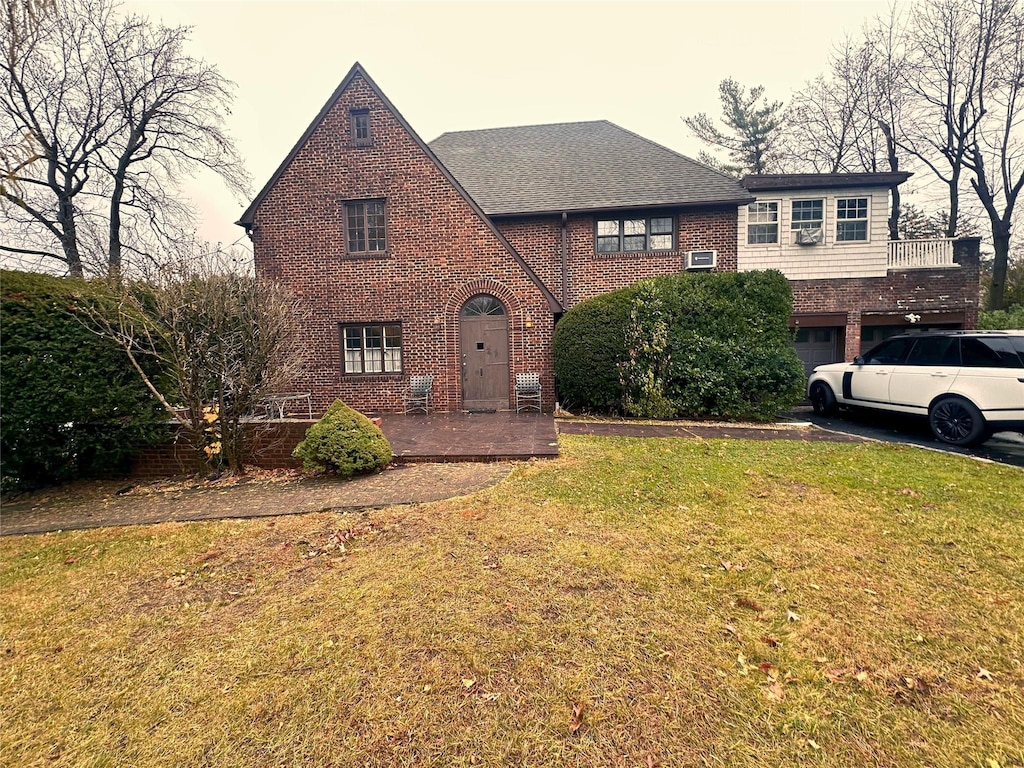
[(805, 181), (730, 203)]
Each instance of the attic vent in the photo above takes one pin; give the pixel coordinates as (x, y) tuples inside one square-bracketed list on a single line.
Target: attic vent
[(809, 236), (701, 259)]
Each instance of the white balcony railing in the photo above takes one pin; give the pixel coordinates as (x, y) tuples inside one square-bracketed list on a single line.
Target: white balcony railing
[(921, 254)]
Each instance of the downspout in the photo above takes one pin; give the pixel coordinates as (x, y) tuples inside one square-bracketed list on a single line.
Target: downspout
[(565, 260)]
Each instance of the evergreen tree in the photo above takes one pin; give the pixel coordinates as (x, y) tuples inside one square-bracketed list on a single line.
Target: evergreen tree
[(752, 130)]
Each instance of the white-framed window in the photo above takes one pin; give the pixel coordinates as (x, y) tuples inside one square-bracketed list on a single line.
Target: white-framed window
[(763, 222), (807, 214), (851, 219), (371, 348), (635, 234)]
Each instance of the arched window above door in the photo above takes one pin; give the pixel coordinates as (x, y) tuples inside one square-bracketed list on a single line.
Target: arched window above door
[(482, 305)]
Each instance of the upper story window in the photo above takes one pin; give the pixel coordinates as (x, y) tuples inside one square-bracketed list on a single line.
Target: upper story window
[(361, 127), (763, 222), (851, 219), (635, 234), (364, 225), (807, 214)]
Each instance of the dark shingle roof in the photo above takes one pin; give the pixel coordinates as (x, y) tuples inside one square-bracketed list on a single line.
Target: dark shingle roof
[(779, 181), (577, 166)]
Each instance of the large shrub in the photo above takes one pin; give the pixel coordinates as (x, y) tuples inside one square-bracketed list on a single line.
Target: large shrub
[(344, 441), (72, 406), (693, 344), (589, 343)]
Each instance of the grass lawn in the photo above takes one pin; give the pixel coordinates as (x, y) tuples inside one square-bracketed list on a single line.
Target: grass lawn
[(634, 603)]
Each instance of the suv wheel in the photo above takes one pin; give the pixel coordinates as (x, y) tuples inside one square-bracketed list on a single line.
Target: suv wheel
[(957, 421), (823, 401)]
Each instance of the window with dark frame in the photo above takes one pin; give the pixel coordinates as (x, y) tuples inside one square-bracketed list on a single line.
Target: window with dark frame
[(361, 128), (762, 223), (635, 234), (373, 348), (851, 219), (365, 229)]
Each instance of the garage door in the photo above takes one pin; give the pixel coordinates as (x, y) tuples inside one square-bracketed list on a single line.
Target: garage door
[(816, 346)]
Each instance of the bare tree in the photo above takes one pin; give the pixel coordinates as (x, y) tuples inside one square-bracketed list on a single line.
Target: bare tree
[(223, 341), (848, 121), (115, 112), (752, 130), (995, 151)]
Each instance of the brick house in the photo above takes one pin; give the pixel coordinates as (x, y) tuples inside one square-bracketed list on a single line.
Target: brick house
[(456, 258)]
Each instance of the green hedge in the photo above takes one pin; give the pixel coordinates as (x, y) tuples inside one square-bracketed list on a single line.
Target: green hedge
[(694, 344), (1011, 318), (344, 441), (72, 405)]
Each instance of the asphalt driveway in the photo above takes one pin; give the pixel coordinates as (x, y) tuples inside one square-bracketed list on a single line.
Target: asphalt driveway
[(1004, 447)]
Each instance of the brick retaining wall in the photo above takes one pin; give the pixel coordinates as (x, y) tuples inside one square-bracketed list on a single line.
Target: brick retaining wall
[(274, 443)]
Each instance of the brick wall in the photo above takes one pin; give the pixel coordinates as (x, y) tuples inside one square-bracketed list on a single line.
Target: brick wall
[(440, 253), (539, 241), (273, 443)]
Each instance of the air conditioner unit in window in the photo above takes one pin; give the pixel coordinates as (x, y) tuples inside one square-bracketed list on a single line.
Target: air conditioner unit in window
[(809, 236), (701, 259)]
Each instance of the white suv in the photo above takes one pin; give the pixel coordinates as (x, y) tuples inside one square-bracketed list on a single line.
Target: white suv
[(968, 383)]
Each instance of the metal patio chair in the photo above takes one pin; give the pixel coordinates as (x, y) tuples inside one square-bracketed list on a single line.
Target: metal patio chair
[(527, 391), (417, 396)]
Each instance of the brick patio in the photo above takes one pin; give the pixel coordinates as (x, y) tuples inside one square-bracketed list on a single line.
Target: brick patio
[(501, 436)]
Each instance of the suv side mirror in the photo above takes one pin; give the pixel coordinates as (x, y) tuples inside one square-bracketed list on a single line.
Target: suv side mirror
[(858, 360)]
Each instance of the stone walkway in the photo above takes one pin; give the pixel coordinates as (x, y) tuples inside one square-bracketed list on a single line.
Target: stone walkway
[(400, 484)]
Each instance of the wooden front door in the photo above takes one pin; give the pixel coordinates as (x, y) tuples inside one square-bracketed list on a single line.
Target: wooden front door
[(483, 328)]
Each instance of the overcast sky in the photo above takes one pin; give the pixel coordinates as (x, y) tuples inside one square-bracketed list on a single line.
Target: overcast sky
[(467, 65)]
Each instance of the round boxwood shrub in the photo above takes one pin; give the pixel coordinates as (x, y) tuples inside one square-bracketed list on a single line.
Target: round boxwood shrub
[(344, 441)]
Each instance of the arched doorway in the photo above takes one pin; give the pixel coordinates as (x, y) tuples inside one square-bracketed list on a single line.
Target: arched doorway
[(483, 328)]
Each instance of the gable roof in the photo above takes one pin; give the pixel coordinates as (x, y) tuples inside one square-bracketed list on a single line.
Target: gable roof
[(766, 182), (587, 166), (247, 218)]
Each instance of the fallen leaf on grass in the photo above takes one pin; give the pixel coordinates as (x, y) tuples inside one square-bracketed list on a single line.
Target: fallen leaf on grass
[(746, 602), (207, 556), (468, 683), (775, 692), (71, 560), (766, 668), (792, 616), (576, 720), (770, 641), (984, 674), (861, 676), (731, 630), (813, 744)]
